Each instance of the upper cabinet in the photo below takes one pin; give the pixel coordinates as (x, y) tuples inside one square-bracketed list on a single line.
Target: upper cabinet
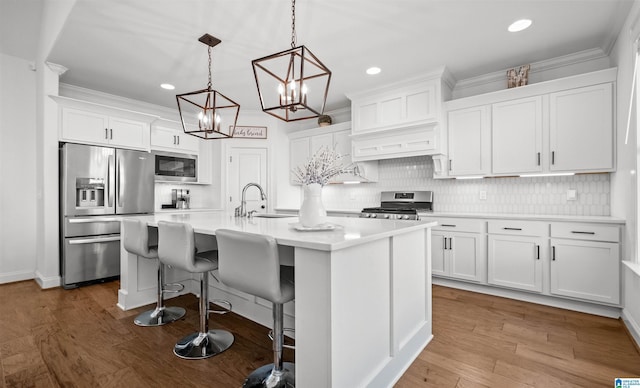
[(401, 119), (168, 136), (564, 125), (88, 123), (303, 144), (581, 129)]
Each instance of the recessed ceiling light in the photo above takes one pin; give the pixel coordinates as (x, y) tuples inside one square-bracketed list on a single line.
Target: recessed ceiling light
[(373, 70), (519, 25), (167, 86)]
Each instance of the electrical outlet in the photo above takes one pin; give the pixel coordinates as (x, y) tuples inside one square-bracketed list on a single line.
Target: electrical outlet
[(483, 195), (572, 195)]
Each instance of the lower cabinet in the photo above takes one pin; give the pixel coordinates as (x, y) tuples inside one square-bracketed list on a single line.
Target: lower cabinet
[(583, 268), (458, 250)]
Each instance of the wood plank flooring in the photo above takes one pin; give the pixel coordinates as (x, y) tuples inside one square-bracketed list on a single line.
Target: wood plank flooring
[(79, 338)]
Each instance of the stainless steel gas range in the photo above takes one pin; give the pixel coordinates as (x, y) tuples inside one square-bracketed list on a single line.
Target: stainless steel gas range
[(401, 205)]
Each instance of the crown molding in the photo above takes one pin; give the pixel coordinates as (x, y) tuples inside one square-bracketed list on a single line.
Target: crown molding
[(59, 69), (536, 67)]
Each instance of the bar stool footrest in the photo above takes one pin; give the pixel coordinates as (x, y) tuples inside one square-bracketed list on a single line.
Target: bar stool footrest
[(224, 310), (179, 287), (285, 330)]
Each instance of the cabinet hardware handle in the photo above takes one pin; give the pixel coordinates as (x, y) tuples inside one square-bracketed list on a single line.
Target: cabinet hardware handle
[(445, 243), (553, 253), (106, 133), (538, 158), (450, 164), (553, 157), (178, 137), (449, 225), (174, 139), (512, 228), (537, 252), (111, 133), (580, 232), (450, 243)]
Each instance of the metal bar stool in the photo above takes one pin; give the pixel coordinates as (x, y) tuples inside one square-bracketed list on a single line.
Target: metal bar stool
[(251, 263), (177, 248), (136, 241)]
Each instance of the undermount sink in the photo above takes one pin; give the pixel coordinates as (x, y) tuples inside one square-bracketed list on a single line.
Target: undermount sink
[(272, 215)]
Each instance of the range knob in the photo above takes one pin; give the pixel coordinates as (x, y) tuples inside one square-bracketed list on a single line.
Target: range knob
[(405, 217), (373, 215), (385, 216)]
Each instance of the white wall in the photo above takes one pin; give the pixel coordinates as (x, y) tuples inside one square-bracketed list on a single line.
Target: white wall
[(624, 183), (17, 169)]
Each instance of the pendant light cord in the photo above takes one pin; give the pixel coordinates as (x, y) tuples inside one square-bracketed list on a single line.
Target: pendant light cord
[(293, 23)]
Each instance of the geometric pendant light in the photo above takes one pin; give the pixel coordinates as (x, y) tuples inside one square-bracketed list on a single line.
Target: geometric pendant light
[(216, 114), (292, 84)]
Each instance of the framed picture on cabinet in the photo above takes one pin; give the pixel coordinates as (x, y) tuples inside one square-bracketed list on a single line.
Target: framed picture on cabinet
[(250, 132)]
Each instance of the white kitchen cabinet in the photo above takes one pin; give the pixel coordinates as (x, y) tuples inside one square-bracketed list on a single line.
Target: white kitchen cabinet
[(469, 134), (304, 144), (581, 134), (516, 251), (458, 249), (516, 134), (89, 127), (167, 139), (585, 262), (401, 119)]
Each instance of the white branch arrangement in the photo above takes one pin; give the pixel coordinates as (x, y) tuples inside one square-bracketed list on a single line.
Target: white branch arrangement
[(320, 168)]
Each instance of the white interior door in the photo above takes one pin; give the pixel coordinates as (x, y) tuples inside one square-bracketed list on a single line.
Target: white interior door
[(247, 165)]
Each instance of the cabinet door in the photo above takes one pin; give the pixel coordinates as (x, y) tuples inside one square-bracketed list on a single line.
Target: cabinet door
[(128, 133), (517, 136), (514, 261), (84, 127), (168, 139), (439, 265), (581, 129), (586, 270), (298, 154), (466, 256), (320, 141), (469, 141)]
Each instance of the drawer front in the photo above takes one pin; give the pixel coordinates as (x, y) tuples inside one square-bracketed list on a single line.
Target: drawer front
[(518, 228), (580, 231), (458, 224)]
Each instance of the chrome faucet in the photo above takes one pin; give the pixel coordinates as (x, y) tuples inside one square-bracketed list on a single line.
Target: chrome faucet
[(241, 211)]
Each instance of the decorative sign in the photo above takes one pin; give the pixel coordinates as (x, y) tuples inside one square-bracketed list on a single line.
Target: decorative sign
[(243, 132)]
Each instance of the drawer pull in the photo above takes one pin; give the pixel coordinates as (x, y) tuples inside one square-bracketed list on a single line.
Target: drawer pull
[(580, 232), (553, 253), (449, 225), (512, 228), (537, 252)]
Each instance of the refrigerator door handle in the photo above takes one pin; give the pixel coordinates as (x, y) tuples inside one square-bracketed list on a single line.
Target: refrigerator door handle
[(94, 240), (120, 183), (91, 220), (110, 181)]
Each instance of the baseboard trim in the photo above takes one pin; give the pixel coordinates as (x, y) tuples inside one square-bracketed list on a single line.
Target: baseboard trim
[(633, 328), (552, 301), (47, 282), (11, 277)]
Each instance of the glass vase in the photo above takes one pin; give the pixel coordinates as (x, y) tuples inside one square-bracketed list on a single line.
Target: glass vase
[(312, 212)]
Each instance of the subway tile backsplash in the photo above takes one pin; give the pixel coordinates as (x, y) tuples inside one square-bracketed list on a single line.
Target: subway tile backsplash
[(534, 195)]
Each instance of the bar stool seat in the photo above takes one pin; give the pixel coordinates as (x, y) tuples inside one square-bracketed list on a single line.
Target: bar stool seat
[(136, 241), (176, 247), (251, 263)]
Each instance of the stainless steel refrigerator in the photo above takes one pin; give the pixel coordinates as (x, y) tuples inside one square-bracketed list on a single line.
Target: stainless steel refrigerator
[(97, 184)]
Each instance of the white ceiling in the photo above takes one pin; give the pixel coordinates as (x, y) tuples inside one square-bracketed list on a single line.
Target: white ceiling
[(130, 47)]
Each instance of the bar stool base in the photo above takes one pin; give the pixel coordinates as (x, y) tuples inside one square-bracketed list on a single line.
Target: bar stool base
[(159, 318), (266, 377), (198, 345)]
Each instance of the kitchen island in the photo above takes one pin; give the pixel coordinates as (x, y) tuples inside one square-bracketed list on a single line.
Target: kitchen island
[(363, 292)]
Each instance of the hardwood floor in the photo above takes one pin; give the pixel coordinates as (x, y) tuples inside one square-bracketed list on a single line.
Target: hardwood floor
[(79, 338)]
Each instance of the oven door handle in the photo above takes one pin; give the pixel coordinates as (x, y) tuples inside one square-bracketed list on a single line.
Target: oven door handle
[(94, 240), (91, 220)]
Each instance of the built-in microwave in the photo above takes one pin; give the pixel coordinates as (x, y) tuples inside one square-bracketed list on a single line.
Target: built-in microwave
[(176, 167)]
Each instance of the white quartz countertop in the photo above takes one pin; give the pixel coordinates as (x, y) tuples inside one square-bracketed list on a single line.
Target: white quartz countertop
[(347, 232), (526, 217)]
